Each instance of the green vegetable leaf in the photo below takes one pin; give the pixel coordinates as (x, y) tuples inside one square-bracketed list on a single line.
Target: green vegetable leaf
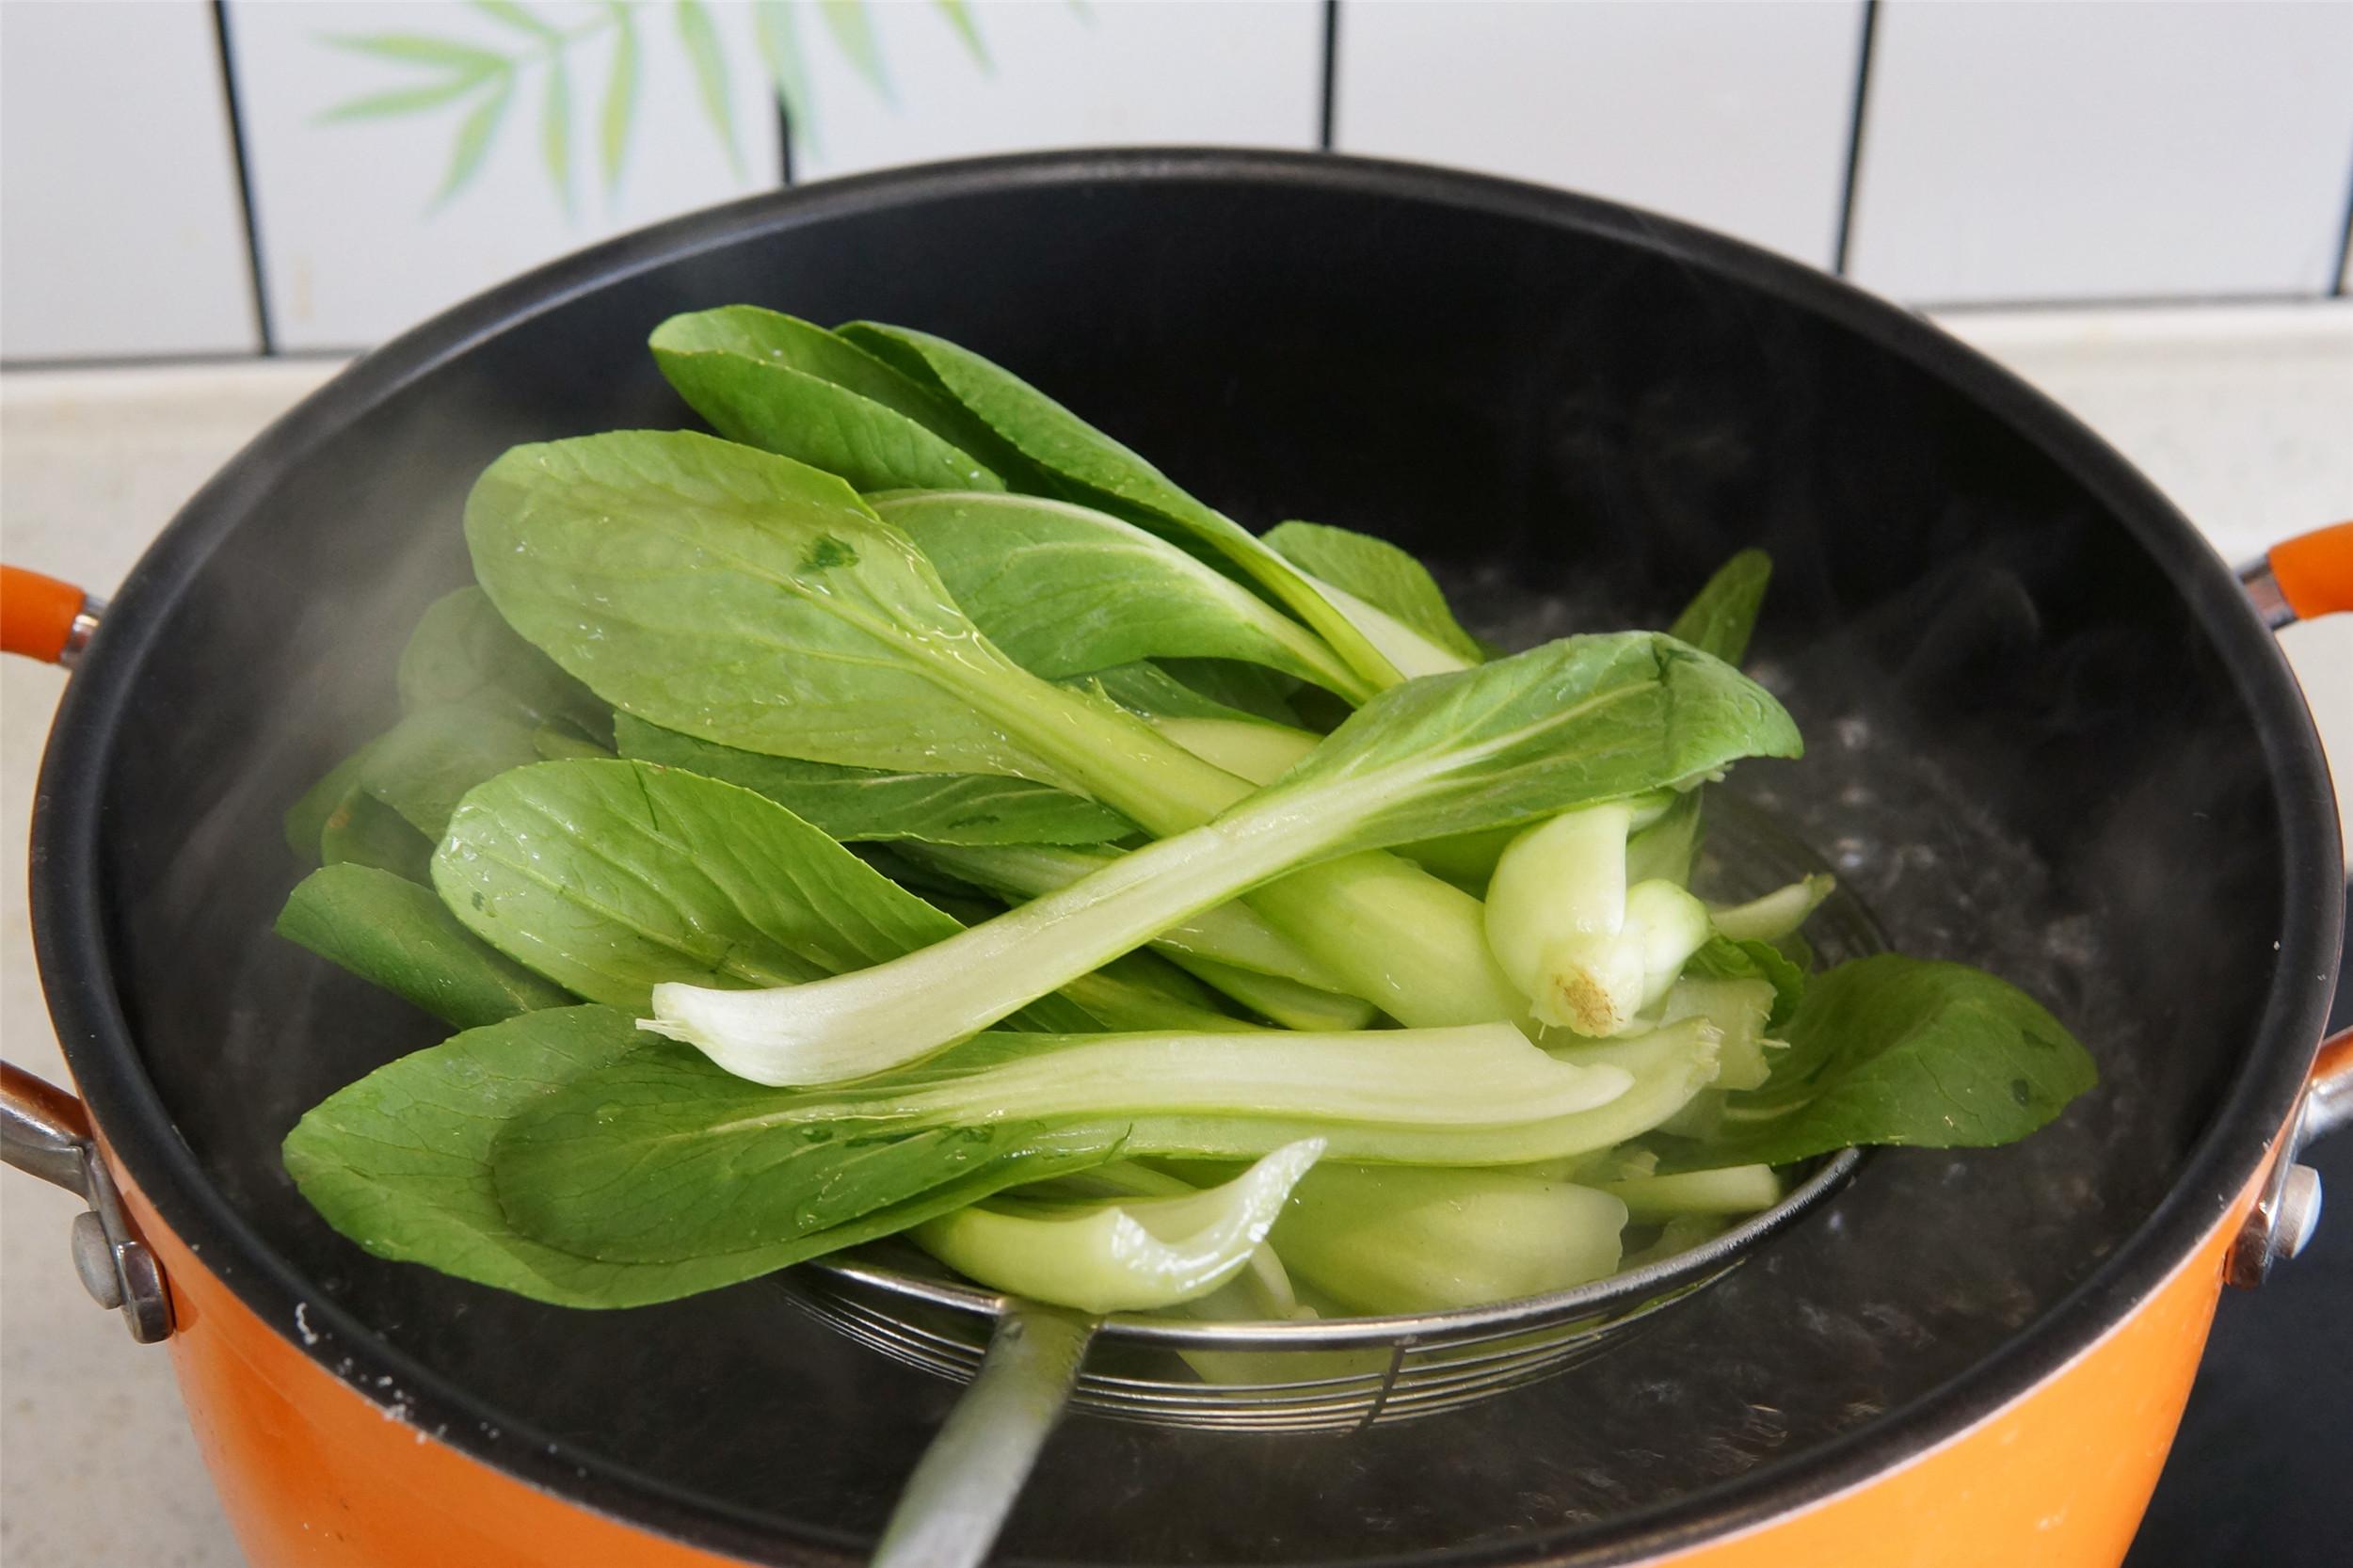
[(400, 1163), (1581, 720), (1721, 958), (1889, 1049), (1723, 615), (747, 371), (307, 818), (611, 877), (473, 141), (699, 36), (363, 831), (852, 32), (424, 764), (646, 1160), (786, 386), (394, 933), (1250, 689), (752, 600), (620, 98), (866, 805), (462, 651), (1063, 589), (1097, 471), (1379, 573)]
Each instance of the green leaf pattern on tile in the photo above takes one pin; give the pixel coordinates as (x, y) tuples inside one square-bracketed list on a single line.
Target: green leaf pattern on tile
[(548, 46)]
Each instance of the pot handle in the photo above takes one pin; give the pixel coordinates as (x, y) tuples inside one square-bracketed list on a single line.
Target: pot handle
[(43, 618), (2304, 577), (2289, 1210), (45, 1131)]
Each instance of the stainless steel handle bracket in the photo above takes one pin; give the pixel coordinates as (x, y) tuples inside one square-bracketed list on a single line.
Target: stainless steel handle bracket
[(2289, 1210), (45, 1130)]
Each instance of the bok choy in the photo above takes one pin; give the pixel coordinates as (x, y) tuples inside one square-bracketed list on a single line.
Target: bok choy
[(907, 811)]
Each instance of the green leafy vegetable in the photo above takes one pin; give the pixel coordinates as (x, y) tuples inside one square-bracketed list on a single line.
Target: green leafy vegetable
[(400, 1163), (363, 831), (869, 805), (1380, 574), (791, 388), (1890, 1049), (914, 604), (1580, 720), (389, 930), (1723, 615), (1384, 1240), (611, 877), (462, 652), (1130, 1255), (645, 1159), (1094, 468), (1720, 958), (755, 601), (1062, 590)]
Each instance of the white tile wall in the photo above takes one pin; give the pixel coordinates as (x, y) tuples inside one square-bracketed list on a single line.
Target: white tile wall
[(1734, 114), (2068, 150), (120, 230), (355, 245), (1049, 74), (2051, 149)]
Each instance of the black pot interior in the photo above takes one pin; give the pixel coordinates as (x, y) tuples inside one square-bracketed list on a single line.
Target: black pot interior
[(2026, 753)]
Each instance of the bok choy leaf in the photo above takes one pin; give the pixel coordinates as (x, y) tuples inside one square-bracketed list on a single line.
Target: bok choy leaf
[(1128, 1256), (400, 1163), (653, 1155), (1580, 720)]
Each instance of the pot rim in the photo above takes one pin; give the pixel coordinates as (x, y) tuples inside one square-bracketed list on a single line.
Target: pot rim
[(77, 973)]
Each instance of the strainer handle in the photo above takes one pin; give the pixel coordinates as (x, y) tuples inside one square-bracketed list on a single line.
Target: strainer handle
[(949, 1511)]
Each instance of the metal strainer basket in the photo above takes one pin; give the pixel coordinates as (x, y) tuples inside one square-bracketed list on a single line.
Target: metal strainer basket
[(1027, 1363)]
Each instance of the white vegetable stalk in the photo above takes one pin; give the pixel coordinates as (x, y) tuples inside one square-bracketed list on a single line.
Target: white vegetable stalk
[(1260, 753), (1128, 1256), (1668, 1067), (1777, 914), (1383, 1239), (1590, 953), (1741, 1008), (1408, 649), (1733, 1190), (1477, 1076), (851, 1025)]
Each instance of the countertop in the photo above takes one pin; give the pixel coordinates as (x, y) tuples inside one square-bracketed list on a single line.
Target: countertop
[(2240, 413)]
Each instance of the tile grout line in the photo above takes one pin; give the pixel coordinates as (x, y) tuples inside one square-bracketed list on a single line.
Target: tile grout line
[(2344, 243), (1331, 73), (244, 181), (1845, 238)]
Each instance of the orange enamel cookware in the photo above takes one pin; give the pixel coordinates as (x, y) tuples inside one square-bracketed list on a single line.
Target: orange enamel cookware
[(2050, 734)]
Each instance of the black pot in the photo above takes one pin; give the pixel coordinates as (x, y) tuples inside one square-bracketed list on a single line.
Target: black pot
[(2048, 737)]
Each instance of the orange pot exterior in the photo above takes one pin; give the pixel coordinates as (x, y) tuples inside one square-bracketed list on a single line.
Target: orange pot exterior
[(314, 1475), (2059, 1478)]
